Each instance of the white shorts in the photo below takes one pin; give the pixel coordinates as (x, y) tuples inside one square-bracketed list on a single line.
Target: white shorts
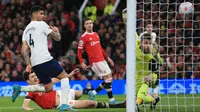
[(71, 97), (101, 68)]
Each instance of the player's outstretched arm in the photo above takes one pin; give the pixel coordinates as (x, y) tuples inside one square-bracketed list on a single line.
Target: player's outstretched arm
[(25, 53), (75, 71), (26, 104), (55, 34)]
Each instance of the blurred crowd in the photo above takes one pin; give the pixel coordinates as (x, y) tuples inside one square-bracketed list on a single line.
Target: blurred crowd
[(178, 39)]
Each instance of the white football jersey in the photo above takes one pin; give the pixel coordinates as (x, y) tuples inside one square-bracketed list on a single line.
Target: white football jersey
[(153, 35), (35, 35)]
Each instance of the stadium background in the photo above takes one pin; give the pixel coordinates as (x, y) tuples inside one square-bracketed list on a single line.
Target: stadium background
[(178, 39)]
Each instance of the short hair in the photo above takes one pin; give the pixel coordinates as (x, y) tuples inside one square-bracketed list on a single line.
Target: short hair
[(36, 8), (148, 22), (26, 75), (87, 19), (146, 36)]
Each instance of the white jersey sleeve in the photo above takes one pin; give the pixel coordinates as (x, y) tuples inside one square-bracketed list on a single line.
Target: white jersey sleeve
[(23, 37), (46, 27)]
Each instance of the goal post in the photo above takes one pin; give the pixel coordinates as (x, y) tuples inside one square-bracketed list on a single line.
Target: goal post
[(131, 57)]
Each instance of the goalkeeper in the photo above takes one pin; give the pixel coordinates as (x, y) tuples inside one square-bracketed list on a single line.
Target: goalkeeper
[(146, 51)]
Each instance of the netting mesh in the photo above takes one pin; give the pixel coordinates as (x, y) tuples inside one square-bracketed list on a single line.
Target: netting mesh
[(179, 41)]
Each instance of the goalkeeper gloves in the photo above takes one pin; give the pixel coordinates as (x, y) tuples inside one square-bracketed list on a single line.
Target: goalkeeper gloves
[(154, 49)]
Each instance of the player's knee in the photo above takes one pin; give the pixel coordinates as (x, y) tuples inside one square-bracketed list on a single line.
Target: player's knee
[(139, 101), (90, 103), (78, 94), (48, 87), (108, 86), (108, 78), (62, 75)]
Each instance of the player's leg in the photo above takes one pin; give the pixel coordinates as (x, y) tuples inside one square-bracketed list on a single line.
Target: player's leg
[(102, 70), (156, 83), (108, 87), (53, 69), (64, 91), (32, 88), (46, 80), (142, 96), (94, 92), (155, 87), (96, 69), (82, 103), (78, 94), (93, 104)]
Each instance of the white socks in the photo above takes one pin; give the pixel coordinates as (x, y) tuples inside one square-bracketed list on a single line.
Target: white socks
[(64, 90), (112, 99), (33, 88), (94, 92)]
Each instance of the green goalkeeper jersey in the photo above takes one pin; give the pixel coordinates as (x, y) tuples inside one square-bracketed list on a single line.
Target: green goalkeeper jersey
[(143, 60)]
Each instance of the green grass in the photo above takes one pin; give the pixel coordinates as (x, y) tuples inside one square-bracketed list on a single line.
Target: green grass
[(168, 103)]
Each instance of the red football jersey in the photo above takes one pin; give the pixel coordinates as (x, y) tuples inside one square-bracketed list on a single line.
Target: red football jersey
[(44, 100), (91, 43)]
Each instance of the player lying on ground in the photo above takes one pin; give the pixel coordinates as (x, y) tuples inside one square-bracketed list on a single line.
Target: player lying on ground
[(52, 99), (90, 41)]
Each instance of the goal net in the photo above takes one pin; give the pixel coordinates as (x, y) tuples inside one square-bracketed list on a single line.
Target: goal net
[(179, 45)]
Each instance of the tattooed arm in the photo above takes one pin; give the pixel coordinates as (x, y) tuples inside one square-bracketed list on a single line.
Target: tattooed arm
[(25, 53), (55, 34)]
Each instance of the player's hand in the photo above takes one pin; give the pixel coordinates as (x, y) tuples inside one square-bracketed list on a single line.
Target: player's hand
[(84, 66), (154, 48), (28, 109), (110, 61), (28, 68), (54, 28), (75, 71)]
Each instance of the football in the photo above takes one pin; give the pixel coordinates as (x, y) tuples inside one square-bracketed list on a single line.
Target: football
[(186, 8)]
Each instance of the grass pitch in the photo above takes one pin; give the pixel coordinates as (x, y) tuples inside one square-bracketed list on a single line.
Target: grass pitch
[(168, 103)]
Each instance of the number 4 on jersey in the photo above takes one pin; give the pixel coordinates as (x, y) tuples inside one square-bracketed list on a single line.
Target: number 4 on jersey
[(31, 42)]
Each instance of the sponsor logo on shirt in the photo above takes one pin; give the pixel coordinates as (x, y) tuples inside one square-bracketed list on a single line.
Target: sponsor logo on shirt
[(94, 43)]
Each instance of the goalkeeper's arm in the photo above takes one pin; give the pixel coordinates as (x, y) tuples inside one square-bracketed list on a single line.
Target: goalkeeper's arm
[(154, 49)]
